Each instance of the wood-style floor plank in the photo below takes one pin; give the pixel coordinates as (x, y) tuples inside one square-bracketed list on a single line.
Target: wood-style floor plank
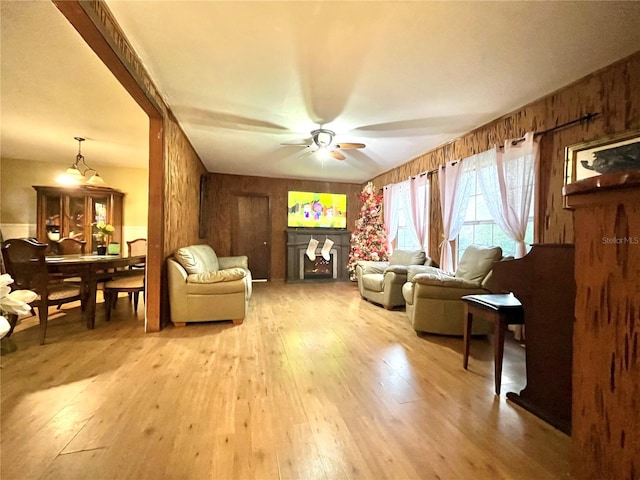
[(315, 384)]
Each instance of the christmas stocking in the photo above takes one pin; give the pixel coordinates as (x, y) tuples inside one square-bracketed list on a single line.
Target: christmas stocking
[(311, 249), (326, 249)]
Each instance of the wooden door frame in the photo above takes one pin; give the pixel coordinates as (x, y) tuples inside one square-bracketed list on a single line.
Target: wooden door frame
[(235, 225), (92, 29)]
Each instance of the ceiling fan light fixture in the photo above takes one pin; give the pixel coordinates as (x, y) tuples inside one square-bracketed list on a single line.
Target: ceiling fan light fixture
[(322, 137), (324, 153), (321, 143)]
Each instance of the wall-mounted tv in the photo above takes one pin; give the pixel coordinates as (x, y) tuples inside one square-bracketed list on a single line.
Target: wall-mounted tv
[(322, 210)]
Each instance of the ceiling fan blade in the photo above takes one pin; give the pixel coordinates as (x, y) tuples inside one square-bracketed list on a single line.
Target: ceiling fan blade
[(301, 143), (337, 155), (350, 146), (307, 153)]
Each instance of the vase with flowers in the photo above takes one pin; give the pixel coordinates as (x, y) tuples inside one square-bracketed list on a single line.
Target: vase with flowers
[(104, 231)]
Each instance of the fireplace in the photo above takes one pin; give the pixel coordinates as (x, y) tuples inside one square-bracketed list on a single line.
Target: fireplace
[(301, 269), (320, 268)]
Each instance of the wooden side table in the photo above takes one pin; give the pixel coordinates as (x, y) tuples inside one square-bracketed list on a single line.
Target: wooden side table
[(502, 310)]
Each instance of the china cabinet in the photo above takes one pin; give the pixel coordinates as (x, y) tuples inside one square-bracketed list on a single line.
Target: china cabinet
[(75, 211)]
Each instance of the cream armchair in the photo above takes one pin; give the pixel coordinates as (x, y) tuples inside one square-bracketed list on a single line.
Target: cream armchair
[(433, 296), (381, 282), (204, 287)]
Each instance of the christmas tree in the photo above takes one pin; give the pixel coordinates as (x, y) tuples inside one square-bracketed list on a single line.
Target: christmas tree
[(368, 240)]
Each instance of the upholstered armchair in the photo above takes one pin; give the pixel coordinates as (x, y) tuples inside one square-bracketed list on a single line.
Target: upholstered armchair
[(433, 296), (381, 282), (205, 287)]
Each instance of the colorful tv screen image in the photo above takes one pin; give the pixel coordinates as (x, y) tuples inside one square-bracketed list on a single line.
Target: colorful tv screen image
[(322, 210)]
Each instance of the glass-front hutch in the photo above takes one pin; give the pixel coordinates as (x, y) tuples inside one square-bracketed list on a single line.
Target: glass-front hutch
[(75, 211)]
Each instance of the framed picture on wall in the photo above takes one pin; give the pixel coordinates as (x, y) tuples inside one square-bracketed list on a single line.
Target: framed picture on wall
[(204, 189), (613, 154)]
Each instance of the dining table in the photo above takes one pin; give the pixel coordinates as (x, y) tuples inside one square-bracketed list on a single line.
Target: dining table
[(91, 268)]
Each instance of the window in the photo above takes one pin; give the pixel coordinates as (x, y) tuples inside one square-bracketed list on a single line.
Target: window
[(480, 229), (406, 238)]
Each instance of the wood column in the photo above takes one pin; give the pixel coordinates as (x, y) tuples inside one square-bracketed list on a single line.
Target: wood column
[(606, 358)]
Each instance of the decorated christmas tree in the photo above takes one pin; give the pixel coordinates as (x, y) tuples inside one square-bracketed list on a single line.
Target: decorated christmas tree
[(368, 240)]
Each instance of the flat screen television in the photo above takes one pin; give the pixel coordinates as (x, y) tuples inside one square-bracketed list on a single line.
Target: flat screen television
[(317, 210)]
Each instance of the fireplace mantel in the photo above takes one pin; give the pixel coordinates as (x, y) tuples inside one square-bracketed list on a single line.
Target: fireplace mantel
[(298, 240)]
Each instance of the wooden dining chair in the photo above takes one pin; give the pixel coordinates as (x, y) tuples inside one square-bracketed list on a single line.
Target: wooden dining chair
[(70, 246), (131, 281), (137, 247), (24, 260)]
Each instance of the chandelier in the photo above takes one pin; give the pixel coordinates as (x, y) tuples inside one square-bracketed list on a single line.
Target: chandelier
[(79, 170)]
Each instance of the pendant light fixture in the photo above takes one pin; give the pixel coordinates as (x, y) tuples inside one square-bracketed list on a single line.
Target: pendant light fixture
[(77, 172)]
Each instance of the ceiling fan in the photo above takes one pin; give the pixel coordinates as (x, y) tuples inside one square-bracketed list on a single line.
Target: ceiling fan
[(322, 139)]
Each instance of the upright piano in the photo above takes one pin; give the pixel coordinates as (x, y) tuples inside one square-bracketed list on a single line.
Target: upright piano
[(544, 282)]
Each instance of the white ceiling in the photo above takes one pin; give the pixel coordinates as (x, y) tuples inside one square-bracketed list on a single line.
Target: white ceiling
[(244, 77)]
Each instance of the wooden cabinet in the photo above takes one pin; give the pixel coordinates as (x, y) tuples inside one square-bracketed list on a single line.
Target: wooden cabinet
[(74, 212)]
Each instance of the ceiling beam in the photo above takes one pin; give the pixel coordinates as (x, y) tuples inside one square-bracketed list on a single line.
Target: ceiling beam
[(80, 14)]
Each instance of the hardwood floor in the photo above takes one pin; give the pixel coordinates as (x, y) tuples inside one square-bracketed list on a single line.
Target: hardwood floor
[(315, 384)]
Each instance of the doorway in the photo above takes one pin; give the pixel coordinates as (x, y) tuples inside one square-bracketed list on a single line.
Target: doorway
[(251, 232)]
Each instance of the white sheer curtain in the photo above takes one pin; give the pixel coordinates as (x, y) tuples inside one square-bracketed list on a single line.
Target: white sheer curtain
[(418, 207), (507, 181), (455, 183), (391, 200)]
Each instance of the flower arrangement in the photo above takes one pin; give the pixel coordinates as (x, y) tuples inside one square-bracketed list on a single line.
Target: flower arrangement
[(16, 302), (104, 229)]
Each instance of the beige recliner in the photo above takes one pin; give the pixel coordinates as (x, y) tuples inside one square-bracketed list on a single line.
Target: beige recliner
[(381, 282), (433, 296), (205, 287)]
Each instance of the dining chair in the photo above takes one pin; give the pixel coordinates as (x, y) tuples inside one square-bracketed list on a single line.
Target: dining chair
[(24, 260), (70, 246), (137, 247), (131, 281)]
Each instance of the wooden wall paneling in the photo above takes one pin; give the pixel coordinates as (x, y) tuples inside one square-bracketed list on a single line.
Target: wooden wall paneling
[(632, 84), (435, 220), (183, 184), (225, 186), (554, 225)]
